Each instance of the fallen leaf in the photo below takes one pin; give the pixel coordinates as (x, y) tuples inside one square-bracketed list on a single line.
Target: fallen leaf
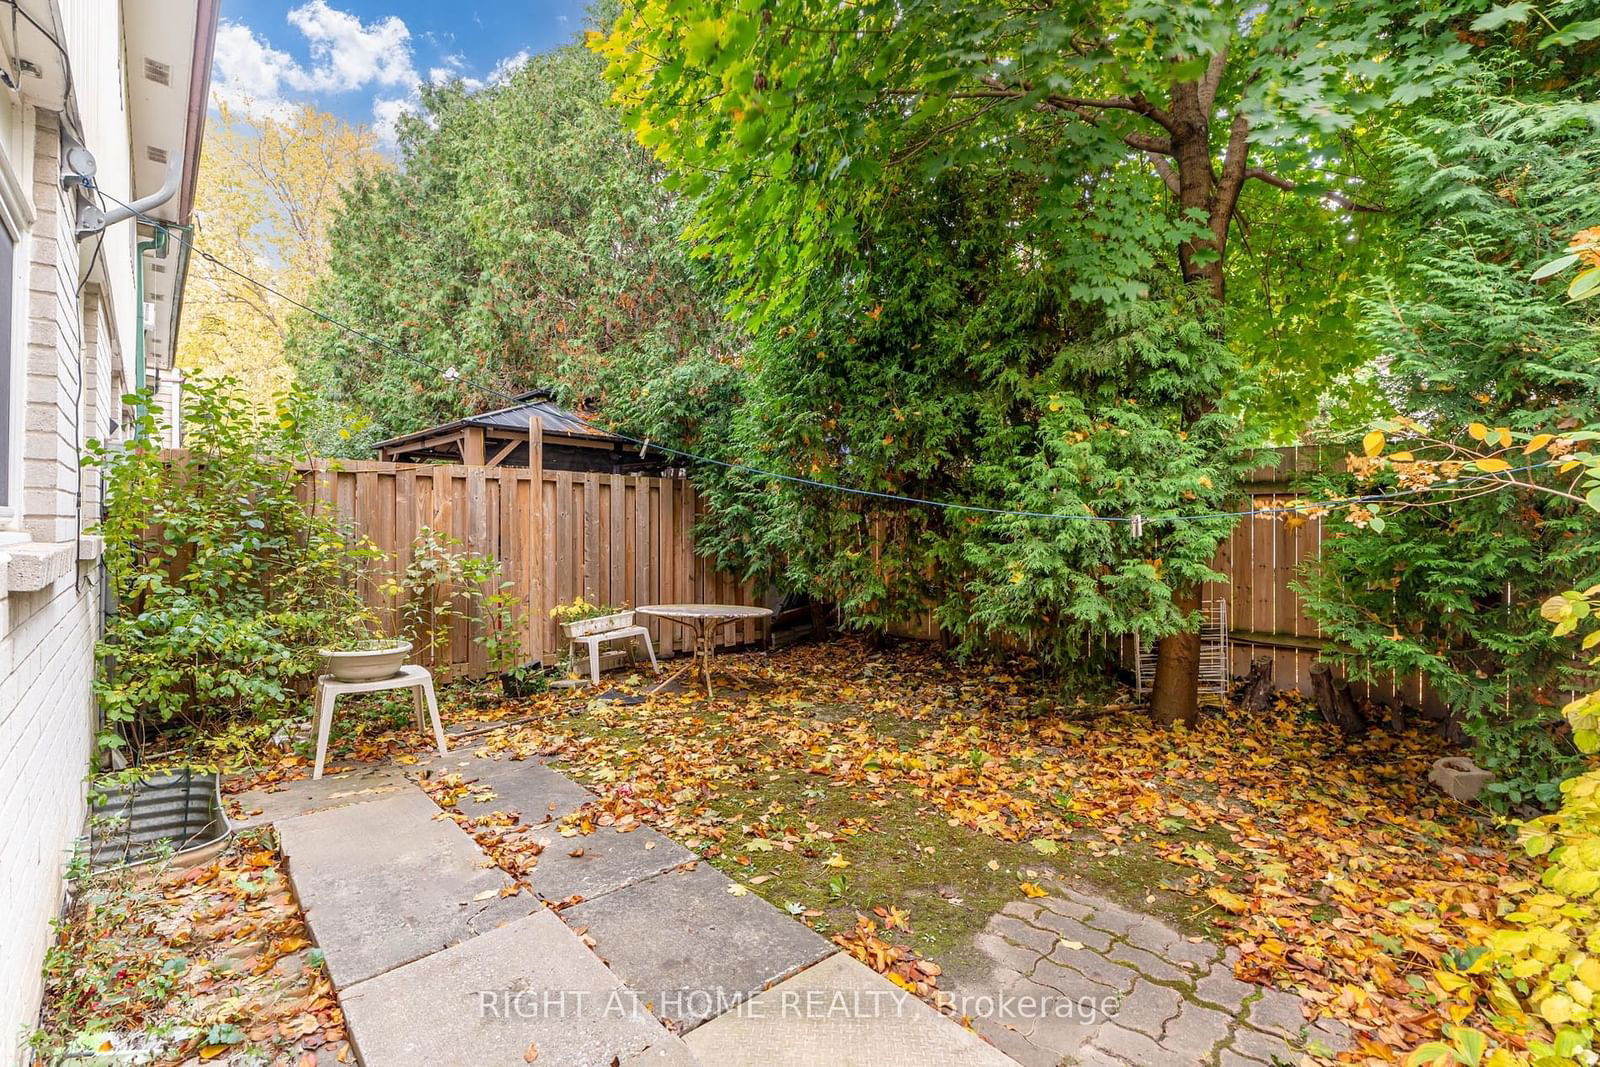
[(1228, 900)]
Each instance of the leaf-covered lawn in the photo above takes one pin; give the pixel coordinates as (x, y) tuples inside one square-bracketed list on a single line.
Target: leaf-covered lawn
[(924, 794), (854, 780)]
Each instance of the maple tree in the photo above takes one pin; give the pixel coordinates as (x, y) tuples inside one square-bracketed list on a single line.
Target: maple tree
[(268, 189), (792, 125)]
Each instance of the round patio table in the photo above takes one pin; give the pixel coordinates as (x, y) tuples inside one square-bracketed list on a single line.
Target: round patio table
[(704, 620)]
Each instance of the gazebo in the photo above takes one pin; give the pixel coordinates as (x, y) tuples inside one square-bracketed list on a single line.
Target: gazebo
[(500, 438)]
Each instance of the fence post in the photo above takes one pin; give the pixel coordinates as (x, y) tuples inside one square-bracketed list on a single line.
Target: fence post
[(538, 610)]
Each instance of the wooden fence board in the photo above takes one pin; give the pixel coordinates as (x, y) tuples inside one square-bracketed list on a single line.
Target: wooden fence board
[(620, 539), (628, 540)]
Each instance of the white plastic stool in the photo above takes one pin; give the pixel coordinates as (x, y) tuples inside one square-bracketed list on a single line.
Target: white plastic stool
[(594, 641), (417, 679)]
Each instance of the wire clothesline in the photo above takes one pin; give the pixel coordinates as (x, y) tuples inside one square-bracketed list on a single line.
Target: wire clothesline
[(1137, 521)]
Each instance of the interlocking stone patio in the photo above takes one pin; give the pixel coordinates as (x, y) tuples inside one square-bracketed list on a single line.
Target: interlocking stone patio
[(1072, 978)]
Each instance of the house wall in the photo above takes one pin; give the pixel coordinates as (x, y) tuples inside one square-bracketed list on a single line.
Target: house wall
[(50, 586), (46, 646)]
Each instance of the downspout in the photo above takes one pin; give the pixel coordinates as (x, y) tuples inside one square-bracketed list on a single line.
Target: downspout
[(157, 244)]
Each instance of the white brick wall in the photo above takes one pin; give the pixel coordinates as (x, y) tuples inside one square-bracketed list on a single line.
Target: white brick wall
[(54, 355), (47, 635), (46, 655)]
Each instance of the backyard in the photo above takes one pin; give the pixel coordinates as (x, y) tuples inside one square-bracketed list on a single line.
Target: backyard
[(875, 534), (849, 786)]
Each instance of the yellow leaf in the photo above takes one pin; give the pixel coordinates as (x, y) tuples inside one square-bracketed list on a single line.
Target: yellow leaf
[(1538, 442), (737, 890), (1556, 1009), (1372, 444), (1031, 889), (837, 860), (1589, 972), (1478, 431), (1228, 900), (1493, 466)]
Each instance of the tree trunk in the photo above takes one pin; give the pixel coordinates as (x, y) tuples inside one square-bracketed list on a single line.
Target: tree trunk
[(1258, 688), (1335, 701), (1175, 696)]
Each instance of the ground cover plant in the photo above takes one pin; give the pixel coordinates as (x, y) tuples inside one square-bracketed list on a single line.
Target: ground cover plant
[(212, 964)]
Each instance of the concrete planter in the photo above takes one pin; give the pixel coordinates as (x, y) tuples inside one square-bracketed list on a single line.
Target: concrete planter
[(1459, 778), (597, 625), (371, 661)]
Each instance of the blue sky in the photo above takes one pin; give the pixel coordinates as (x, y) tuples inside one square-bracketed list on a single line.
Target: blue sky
[(364, 59)]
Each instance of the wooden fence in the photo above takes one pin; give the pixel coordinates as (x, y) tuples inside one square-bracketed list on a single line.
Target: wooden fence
[(615, 539), (1261, 558), (628, 540)]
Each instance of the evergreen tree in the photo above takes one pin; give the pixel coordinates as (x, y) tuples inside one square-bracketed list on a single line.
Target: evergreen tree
[(525, 240), (1488, 185)]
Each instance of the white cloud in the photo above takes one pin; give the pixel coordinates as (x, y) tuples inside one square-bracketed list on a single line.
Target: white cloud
[(451, 69), (346, 55), (249, 72), (386, 113), (508, 66)]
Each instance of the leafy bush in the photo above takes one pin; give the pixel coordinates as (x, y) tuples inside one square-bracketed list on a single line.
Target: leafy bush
[(1473, 345), (435, 590), (1533, 979), (226, 584)]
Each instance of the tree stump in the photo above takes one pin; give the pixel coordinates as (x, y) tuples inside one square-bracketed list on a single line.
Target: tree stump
[(1335, 701), (1258, 688)]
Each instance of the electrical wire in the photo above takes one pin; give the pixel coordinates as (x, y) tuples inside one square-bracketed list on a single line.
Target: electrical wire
[(66, 65), (452, 374)]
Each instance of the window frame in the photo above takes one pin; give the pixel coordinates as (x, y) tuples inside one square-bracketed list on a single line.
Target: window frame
[(17, 216)]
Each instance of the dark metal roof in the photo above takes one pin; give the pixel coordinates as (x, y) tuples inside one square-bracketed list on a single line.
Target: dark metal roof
[(553, 419)]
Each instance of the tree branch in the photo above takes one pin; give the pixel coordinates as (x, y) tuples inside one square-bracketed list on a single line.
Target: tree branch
[(1213, 79), (1290, 186), (1164, 169)]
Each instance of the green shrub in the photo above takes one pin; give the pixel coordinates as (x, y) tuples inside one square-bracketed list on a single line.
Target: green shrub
[(225, 583)]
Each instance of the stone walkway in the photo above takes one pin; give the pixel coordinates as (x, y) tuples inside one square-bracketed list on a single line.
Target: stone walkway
[(658, 962), (1119, 987)]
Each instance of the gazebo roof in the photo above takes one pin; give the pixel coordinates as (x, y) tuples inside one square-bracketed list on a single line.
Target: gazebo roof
[(554, 421)]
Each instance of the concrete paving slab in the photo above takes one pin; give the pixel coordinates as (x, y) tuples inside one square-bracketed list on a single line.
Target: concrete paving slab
[(840, 1013), (527, 992), (527, 786), (385, 882), (288, 799), (690, 947), (541, 796), (610, 861)]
